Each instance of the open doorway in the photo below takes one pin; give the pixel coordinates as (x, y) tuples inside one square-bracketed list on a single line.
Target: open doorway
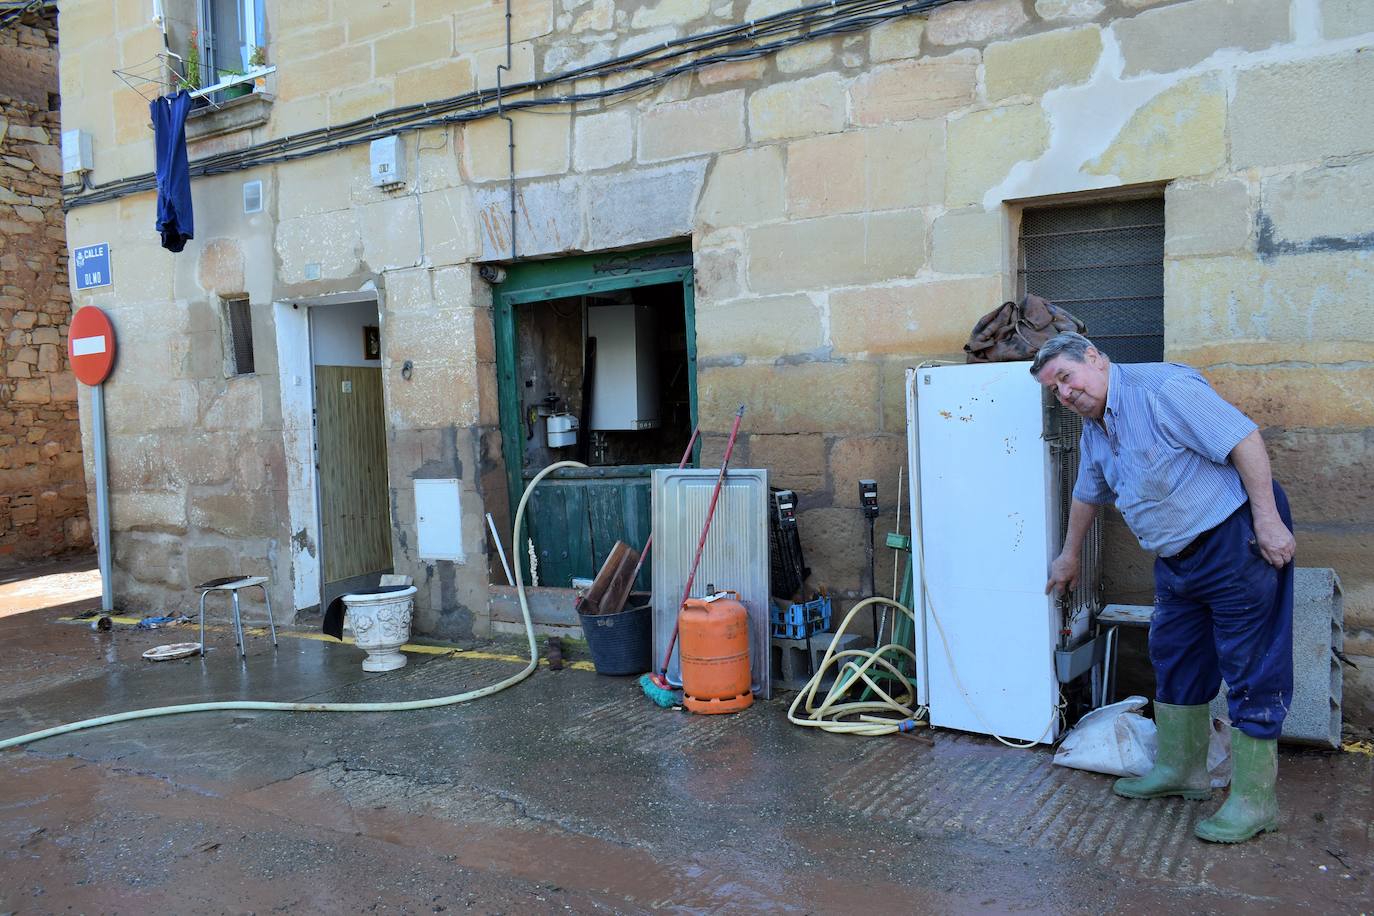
[(597, 364), (350, 448)]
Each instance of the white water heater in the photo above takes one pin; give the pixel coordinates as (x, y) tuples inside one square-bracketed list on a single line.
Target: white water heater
[(625, 382)]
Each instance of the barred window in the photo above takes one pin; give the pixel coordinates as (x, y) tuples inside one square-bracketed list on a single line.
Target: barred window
[(238, 340), (1103, 262)]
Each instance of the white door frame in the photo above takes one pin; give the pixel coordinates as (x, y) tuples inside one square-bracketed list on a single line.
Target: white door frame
[(296, 383)]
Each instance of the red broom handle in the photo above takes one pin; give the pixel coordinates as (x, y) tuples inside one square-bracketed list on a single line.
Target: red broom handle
[(686, 456), (705, 530)]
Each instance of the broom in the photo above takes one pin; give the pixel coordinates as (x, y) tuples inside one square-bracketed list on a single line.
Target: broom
[(656, 686)]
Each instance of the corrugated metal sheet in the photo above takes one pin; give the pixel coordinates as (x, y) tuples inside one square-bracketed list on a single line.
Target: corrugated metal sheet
[(735, 558)]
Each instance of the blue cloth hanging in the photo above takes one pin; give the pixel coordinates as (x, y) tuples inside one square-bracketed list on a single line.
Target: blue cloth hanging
[(174, 219)]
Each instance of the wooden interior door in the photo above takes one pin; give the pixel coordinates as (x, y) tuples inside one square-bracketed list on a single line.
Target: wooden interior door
[(350, 436)]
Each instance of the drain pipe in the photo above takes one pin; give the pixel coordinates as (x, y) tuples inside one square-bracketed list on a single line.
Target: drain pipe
[(399, 706), (510, 126)]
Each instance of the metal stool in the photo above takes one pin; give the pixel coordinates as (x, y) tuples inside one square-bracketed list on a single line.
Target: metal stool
[(232, 585)]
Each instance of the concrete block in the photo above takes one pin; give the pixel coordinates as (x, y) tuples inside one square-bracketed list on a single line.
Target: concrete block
[(836, 251), (800, 108), (602, 140), (1309, 110), (650, 204), (1179, 133), (983, 146), (791, 663), (896, 40), (975, 21), (548, 214), (706, 124), (1203, 218), (834, 398), (744, 188), (971, 241), (905, 319), (764, 328), (926, 88), (1318, 629), (1181, 35), (1326, 208), (1033, 66), (885, 168), (1345, 18)]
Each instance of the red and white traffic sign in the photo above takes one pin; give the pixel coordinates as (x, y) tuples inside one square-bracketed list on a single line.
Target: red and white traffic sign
[(91, 345)]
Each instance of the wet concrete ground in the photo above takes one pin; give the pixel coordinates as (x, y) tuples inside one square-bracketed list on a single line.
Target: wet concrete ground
[(571, 792)]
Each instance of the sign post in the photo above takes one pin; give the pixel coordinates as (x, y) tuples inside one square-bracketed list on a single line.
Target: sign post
[(91, 347)]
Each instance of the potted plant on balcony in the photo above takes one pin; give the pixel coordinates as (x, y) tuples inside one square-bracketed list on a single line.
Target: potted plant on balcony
[(238, 89), (190, 81)]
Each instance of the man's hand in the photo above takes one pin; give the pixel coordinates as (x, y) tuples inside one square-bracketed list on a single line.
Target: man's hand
[(1063, 573), (1276, 543)]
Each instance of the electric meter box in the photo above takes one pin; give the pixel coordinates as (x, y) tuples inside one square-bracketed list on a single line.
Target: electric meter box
[(625, 389), (76, 151), (388, 161)]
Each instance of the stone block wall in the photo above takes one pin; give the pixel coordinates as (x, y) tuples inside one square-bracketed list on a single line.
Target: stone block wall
[(42, 485), (853, 204)]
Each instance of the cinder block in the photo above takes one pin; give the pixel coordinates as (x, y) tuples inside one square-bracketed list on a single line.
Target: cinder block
[(1318, 633), (791, 666)]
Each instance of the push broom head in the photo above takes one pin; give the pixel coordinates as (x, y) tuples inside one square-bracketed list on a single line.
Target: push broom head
[(656, 688)]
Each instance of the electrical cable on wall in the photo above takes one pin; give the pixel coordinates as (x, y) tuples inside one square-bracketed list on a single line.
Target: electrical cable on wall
[(811, 22)]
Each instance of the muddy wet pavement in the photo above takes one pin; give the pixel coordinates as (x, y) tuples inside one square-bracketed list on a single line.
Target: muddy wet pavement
[(572, 793)]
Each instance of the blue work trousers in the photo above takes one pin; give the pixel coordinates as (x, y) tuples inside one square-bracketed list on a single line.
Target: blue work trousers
[(1224, 612)]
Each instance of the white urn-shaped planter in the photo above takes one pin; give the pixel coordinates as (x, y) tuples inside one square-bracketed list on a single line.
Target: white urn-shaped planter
[(381, 625)]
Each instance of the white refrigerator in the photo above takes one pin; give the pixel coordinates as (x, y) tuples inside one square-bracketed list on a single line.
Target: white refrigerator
[(985, 513)]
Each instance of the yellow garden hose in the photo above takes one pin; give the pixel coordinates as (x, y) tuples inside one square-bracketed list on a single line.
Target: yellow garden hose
[(334, 707)]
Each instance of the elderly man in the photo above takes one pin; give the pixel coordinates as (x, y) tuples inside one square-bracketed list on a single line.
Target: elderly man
[(1190, 474)]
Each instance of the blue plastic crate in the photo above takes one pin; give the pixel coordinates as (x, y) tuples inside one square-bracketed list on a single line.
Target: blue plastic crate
[(802, 619)]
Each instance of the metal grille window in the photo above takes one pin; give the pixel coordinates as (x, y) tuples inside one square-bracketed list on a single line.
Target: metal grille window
[(238, 327), (1104, 262)]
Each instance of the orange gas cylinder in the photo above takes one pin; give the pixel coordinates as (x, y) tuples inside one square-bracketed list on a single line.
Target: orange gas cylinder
[(714, 638)]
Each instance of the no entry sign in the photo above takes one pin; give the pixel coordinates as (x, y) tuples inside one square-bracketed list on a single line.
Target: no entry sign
[(91, 345)]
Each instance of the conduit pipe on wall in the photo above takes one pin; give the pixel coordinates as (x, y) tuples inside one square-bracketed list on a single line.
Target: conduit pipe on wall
[(335, 707)]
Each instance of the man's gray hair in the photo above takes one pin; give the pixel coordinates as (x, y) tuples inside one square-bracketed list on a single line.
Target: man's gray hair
[(1074, 346)]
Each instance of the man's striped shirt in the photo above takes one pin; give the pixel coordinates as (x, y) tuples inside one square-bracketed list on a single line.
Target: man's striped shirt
[(1161, 452)]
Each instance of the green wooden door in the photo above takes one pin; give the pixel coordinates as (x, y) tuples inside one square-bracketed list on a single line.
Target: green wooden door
[(576, 516)]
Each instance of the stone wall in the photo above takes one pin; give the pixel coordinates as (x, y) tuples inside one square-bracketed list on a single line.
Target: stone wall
[(42, 486), (853, 203)]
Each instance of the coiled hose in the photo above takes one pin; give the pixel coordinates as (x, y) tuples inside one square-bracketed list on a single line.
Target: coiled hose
[(855, 665), (334, 707)]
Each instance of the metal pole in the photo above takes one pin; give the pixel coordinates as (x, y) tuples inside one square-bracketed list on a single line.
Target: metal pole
[(102, 496)]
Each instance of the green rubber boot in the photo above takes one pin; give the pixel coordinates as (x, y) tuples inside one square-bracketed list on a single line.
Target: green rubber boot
[(1252, 807), (1181, 761)]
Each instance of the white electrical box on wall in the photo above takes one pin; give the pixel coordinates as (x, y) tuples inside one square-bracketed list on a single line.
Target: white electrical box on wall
[(625, 386), (388, 161), (438, 519), (76, 151)]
